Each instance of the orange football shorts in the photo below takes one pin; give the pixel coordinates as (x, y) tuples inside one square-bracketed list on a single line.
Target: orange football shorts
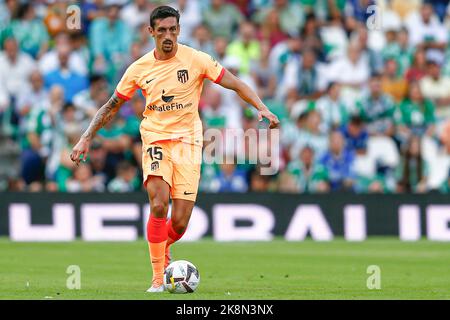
[(177, 163)]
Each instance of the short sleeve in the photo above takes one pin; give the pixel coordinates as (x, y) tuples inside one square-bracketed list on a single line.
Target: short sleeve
[(210, 67), (127, 85)]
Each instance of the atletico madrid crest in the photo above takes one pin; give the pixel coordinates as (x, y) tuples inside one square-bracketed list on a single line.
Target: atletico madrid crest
[(183, 76)]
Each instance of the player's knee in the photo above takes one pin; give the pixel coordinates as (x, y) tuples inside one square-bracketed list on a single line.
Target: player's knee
[(180, 225), (159, 209)]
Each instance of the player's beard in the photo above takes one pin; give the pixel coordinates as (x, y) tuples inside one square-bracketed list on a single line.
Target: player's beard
[(167, 46)]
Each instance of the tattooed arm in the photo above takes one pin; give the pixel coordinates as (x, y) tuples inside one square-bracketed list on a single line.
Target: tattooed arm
[(103, 116)]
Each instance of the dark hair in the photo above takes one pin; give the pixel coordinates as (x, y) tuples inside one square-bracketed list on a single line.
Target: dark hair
[(330, 85), (124, 166), (96, 77), (23, 10), (376, 75), (356, 120), (68, 105), (163, 12)]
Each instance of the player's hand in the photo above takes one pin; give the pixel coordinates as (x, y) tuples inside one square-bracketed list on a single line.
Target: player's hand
[(273, 119), (80, 151)]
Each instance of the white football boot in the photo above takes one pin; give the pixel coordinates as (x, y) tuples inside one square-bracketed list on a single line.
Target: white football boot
[(153, 289), (156, 287)]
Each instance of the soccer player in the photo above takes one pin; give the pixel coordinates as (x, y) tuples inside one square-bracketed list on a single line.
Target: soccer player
[(171, 78)]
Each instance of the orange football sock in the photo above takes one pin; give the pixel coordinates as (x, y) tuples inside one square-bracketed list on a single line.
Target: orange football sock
[(157, 238), (172, 235)]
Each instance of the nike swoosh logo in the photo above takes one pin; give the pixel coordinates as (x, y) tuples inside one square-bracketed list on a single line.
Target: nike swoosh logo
[(188, 193), (148, 81)]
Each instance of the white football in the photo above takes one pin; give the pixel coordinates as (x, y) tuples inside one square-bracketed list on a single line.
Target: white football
[(181, 276)]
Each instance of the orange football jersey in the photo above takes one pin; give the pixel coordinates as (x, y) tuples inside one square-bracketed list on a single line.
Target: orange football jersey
[(172, 89)]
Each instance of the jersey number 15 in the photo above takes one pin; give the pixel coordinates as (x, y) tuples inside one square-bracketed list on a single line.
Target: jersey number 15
[(155, 153)]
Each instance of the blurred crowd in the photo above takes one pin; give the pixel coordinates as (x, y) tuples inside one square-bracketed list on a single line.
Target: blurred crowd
[(362, 89)]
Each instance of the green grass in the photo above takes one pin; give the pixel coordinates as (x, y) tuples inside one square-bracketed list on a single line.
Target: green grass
[(265, 270)]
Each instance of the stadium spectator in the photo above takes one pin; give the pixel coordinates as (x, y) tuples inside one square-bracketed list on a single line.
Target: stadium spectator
[(406, 51), (291, 130), (412, 173), (361, 37), (338, 162), (392, 46), (220, 48), (133, 120), (231, 178), (291, 14), (50, 60), (436, 87), (377, 108), (15, 68), (392, 82), (310, 34), (190, 17), (135, 13), (64, 76), (57, 102), (418, 68), (246, 48), (270, 31), (141, 41), (125, 180), (355, 135), (425, 29), (110, 39), (209, 170), (32, 97), (334, 37), (259, 182), (29, 31), (36, 143), (213, 112), (281, 55), (352, 71), (263, 74), (310, 135), (8, 10), (334, 112), (201, 39), (97, 160), (116, 142), (84, 181), (303, 78), (308, 175), (91, 10), (70, 134), (88, 101), (222, 18), (232, 102), (415, 115)]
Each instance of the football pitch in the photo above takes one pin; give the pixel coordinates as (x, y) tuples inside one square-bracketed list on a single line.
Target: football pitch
[(242, 270)]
